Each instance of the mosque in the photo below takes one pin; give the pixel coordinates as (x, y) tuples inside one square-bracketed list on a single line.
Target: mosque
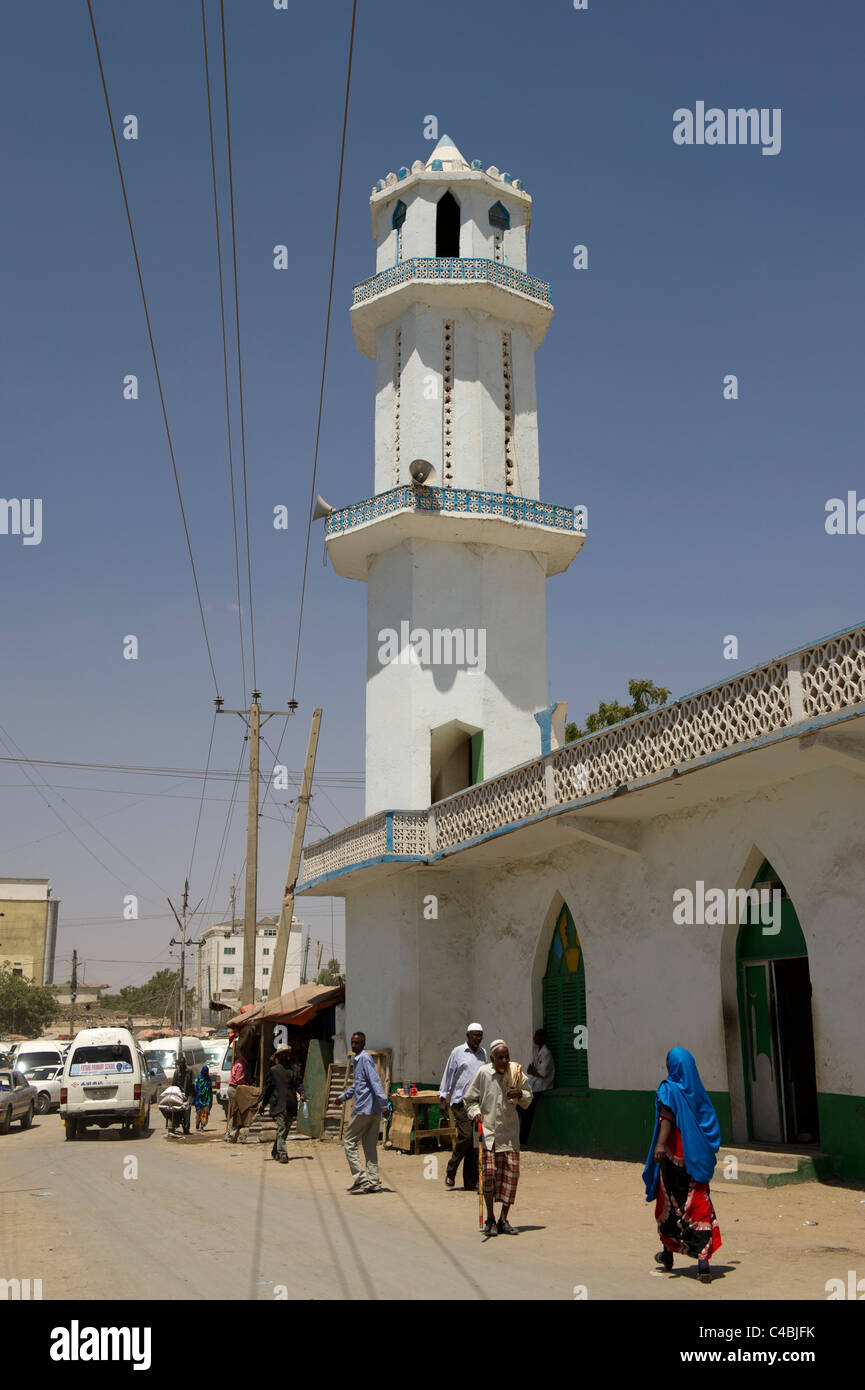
[(503, 874)]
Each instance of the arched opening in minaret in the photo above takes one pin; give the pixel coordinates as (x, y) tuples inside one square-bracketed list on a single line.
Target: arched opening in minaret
[(447, 226)]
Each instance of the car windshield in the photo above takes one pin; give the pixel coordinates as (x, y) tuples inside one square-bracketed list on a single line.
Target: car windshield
[(215, 1054), (98, 1060), (163, 1057), (31, 1061), (44, 1073)]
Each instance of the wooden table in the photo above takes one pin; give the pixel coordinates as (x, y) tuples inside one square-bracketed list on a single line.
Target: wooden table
[(411, 1122)]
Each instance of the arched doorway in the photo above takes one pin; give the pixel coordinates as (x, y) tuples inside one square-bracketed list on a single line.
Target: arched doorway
[(564, 1003), (447, 226), (774, 988)]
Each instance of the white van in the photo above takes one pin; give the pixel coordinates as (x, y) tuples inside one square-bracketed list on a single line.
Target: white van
[(105, 1082), (40, 1052), (163, 1052), (218, 1056)]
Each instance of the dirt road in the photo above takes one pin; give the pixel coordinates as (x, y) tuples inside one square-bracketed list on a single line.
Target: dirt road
[(195, 1218)]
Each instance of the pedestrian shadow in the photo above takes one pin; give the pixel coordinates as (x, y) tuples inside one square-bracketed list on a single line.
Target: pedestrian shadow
[(690, 1272)]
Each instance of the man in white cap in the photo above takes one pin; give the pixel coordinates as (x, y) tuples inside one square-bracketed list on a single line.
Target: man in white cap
[(494, 1094), (459, 1072)]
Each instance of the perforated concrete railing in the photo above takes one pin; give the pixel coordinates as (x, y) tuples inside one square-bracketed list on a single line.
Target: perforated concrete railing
[(819, 680), (365, 840), (452, 500), (452, 268)]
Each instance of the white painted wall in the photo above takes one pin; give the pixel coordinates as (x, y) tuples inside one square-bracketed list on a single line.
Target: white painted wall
[(650, 983), (478, 587)]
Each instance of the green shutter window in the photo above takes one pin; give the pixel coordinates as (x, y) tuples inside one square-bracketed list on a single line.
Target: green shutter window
[(564, 999)]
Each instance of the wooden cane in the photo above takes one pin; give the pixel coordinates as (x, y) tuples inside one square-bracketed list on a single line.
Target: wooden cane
[(480, 1173)]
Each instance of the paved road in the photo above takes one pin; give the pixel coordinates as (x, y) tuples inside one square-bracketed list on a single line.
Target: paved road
[(202, 1219)]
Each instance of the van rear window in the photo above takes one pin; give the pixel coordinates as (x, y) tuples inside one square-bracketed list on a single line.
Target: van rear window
[(95, 1061), (31, 1060)]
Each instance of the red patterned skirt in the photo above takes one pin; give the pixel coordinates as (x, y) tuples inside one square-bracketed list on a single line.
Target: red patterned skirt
[(501, 1175), (686, 1219)]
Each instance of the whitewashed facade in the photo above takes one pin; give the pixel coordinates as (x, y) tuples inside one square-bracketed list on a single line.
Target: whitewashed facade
[(502, 876)]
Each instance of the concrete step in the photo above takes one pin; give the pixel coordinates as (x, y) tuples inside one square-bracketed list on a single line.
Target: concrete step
[(776, 1167)]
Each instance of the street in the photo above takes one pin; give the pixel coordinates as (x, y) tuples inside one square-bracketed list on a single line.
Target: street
[(195, 1218)]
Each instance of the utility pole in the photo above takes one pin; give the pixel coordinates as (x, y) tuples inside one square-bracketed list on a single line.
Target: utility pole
[(73, 992), (254, 717), (198, 991), (182, 923), (287, 910)]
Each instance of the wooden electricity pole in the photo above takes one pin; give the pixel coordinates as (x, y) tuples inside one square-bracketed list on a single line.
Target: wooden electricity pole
[(254, 717), (73, 993), (287, 910)]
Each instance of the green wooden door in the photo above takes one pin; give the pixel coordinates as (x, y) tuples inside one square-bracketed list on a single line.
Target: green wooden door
[(564, 999)]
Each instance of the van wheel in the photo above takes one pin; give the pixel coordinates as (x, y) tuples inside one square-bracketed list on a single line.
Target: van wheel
[(43, 1103), (6, 1122), (71, 1128), (27, 1120)]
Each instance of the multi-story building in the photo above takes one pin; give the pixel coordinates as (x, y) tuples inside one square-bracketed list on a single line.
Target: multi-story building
[(222, 959), (28, 927)]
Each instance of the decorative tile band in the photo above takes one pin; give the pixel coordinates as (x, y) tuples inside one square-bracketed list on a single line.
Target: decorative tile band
[(452, 268), (456, 500)]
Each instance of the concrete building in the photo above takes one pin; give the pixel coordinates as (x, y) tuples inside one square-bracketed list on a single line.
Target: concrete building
[(609, 888), (28, 927), (222, 959)]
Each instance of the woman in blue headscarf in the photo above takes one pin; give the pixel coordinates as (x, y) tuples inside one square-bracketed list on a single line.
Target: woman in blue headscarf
[(203, 1098), (680, 1165)]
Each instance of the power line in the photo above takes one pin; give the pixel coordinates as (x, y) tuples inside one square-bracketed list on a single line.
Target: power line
[(323, 370), (152, 344), (326, 341), (224, 349), (237, 331), (142, 769)]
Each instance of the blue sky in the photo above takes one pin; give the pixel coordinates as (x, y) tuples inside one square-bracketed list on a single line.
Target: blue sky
[(706, 516)]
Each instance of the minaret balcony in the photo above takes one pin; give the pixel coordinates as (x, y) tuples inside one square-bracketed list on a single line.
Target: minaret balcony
[(356, 533), (451, 282)]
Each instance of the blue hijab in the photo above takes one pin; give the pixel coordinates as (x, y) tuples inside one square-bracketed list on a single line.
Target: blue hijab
[(683, 1093)]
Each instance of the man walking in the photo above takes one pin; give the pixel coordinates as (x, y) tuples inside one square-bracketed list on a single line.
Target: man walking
[(494, 1094), (460, 1070), (541, 1075), (281, 1090), (239, 1077), (370, 1103), (186, 1081)]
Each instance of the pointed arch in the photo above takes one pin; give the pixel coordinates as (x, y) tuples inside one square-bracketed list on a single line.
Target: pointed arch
[(447, 225), (559, 981)]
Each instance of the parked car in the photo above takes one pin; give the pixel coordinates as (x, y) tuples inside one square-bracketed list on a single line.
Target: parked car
[(218, 1054), (42, 1052), (106, 1081), (46, 1082), (17, 1100)]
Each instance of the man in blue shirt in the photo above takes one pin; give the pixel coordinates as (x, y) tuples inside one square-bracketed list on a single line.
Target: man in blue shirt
[(460, 1071), (370, 1102)]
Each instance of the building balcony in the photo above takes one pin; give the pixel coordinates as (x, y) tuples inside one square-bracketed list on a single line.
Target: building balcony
[(450, 282), (786, 714), (367, 528)]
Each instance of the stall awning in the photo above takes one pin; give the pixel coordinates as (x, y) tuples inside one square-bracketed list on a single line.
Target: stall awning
[(297, 1007)]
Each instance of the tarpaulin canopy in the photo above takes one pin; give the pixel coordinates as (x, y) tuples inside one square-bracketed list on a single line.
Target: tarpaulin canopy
[(298, 1006)]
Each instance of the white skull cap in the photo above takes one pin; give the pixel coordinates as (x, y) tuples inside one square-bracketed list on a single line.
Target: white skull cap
[(474, 1028)]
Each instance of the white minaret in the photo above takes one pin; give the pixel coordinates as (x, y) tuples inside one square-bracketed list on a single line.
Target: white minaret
[(456, 567)]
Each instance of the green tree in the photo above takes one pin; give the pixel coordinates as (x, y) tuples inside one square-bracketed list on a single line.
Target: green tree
[(331, 974), (645, 696), (25, 1007), (158, 995)]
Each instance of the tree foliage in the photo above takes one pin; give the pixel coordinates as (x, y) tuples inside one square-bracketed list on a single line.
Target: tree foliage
[(25, 1007), (331, 974), (645, 696), (158, 995)]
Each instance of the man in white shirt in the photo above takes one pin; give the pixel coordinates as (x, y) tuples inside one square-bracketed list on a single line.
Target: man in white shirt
[(459, 1072), (541, 1076), (493, 1097)]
